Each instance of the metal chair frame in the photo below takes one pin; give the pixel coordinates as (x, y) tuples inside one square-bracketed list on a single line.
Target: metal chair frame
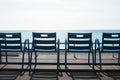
[(12, 42), (85, 45), (45, 43), (106, 46)]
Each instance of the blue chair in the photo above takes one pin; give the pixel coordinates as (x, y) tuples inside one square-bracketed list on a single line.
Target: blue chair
[(12, 42), (79, 43), (44, 43), (110, 44)]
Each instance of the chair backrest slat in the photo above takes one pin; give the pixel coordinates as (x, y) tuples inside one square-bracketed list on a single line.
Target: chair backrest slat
[(111, 41), (44, 35), (11, 47), (111, 48), (45, 47), (79, 42), (13, 41), (44, 41), (111, 35), (79, 47)]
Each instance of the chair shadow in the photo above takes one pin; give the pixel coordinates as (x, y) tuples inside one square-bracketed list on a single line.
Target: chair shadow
[(84, 76), (114, 75), (36, 75), (9, 75)]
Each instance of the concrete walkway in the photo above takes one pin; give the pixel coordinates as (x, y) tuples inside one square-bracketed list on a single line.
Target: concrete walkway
[(80, 58)]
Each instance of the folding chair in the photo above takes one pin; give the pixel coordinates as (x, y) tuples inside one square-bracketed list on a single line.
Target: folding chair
[(12, 42), (44, 43), (79, 43), (106, 46)]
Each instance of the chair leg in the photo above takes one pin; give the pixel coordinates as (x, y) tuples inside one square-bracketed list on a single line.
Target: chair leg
[(65, 60), (95, 52), (35, 57), (30, 63), (6, 57), (89, 58), (0, 58), (93, 62), (95, 56), (119, 58), (28, 57), (58, 62), (23, 60), (100, 60)]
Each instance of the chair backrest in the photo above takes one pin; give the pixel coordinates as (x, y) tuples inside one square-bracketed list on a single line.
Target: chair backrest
[(11, 42), (111, 41), (79, 42), (43, 42)]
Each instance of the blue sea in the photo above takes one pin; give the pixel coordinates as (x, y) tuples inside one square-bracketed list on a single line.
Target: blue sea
[(62, 34)]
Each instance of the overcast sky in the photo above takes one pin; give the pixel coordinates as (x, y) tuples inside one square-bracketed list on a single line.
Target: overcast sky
[(59, 14)]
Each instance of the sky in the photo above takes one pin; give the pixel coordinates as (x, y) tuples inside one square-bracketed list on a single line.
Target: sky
[(59, 14)]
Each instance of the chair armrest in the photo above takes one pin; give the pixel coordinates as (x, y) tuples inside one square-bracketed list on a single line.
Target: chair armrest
[(97, 44), (26, 45), (66, 42), (58, 44), (92, 47)]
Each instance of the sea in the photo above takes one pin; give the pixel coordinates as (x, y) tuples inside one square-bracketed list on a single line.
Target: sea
[(62, 34)]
